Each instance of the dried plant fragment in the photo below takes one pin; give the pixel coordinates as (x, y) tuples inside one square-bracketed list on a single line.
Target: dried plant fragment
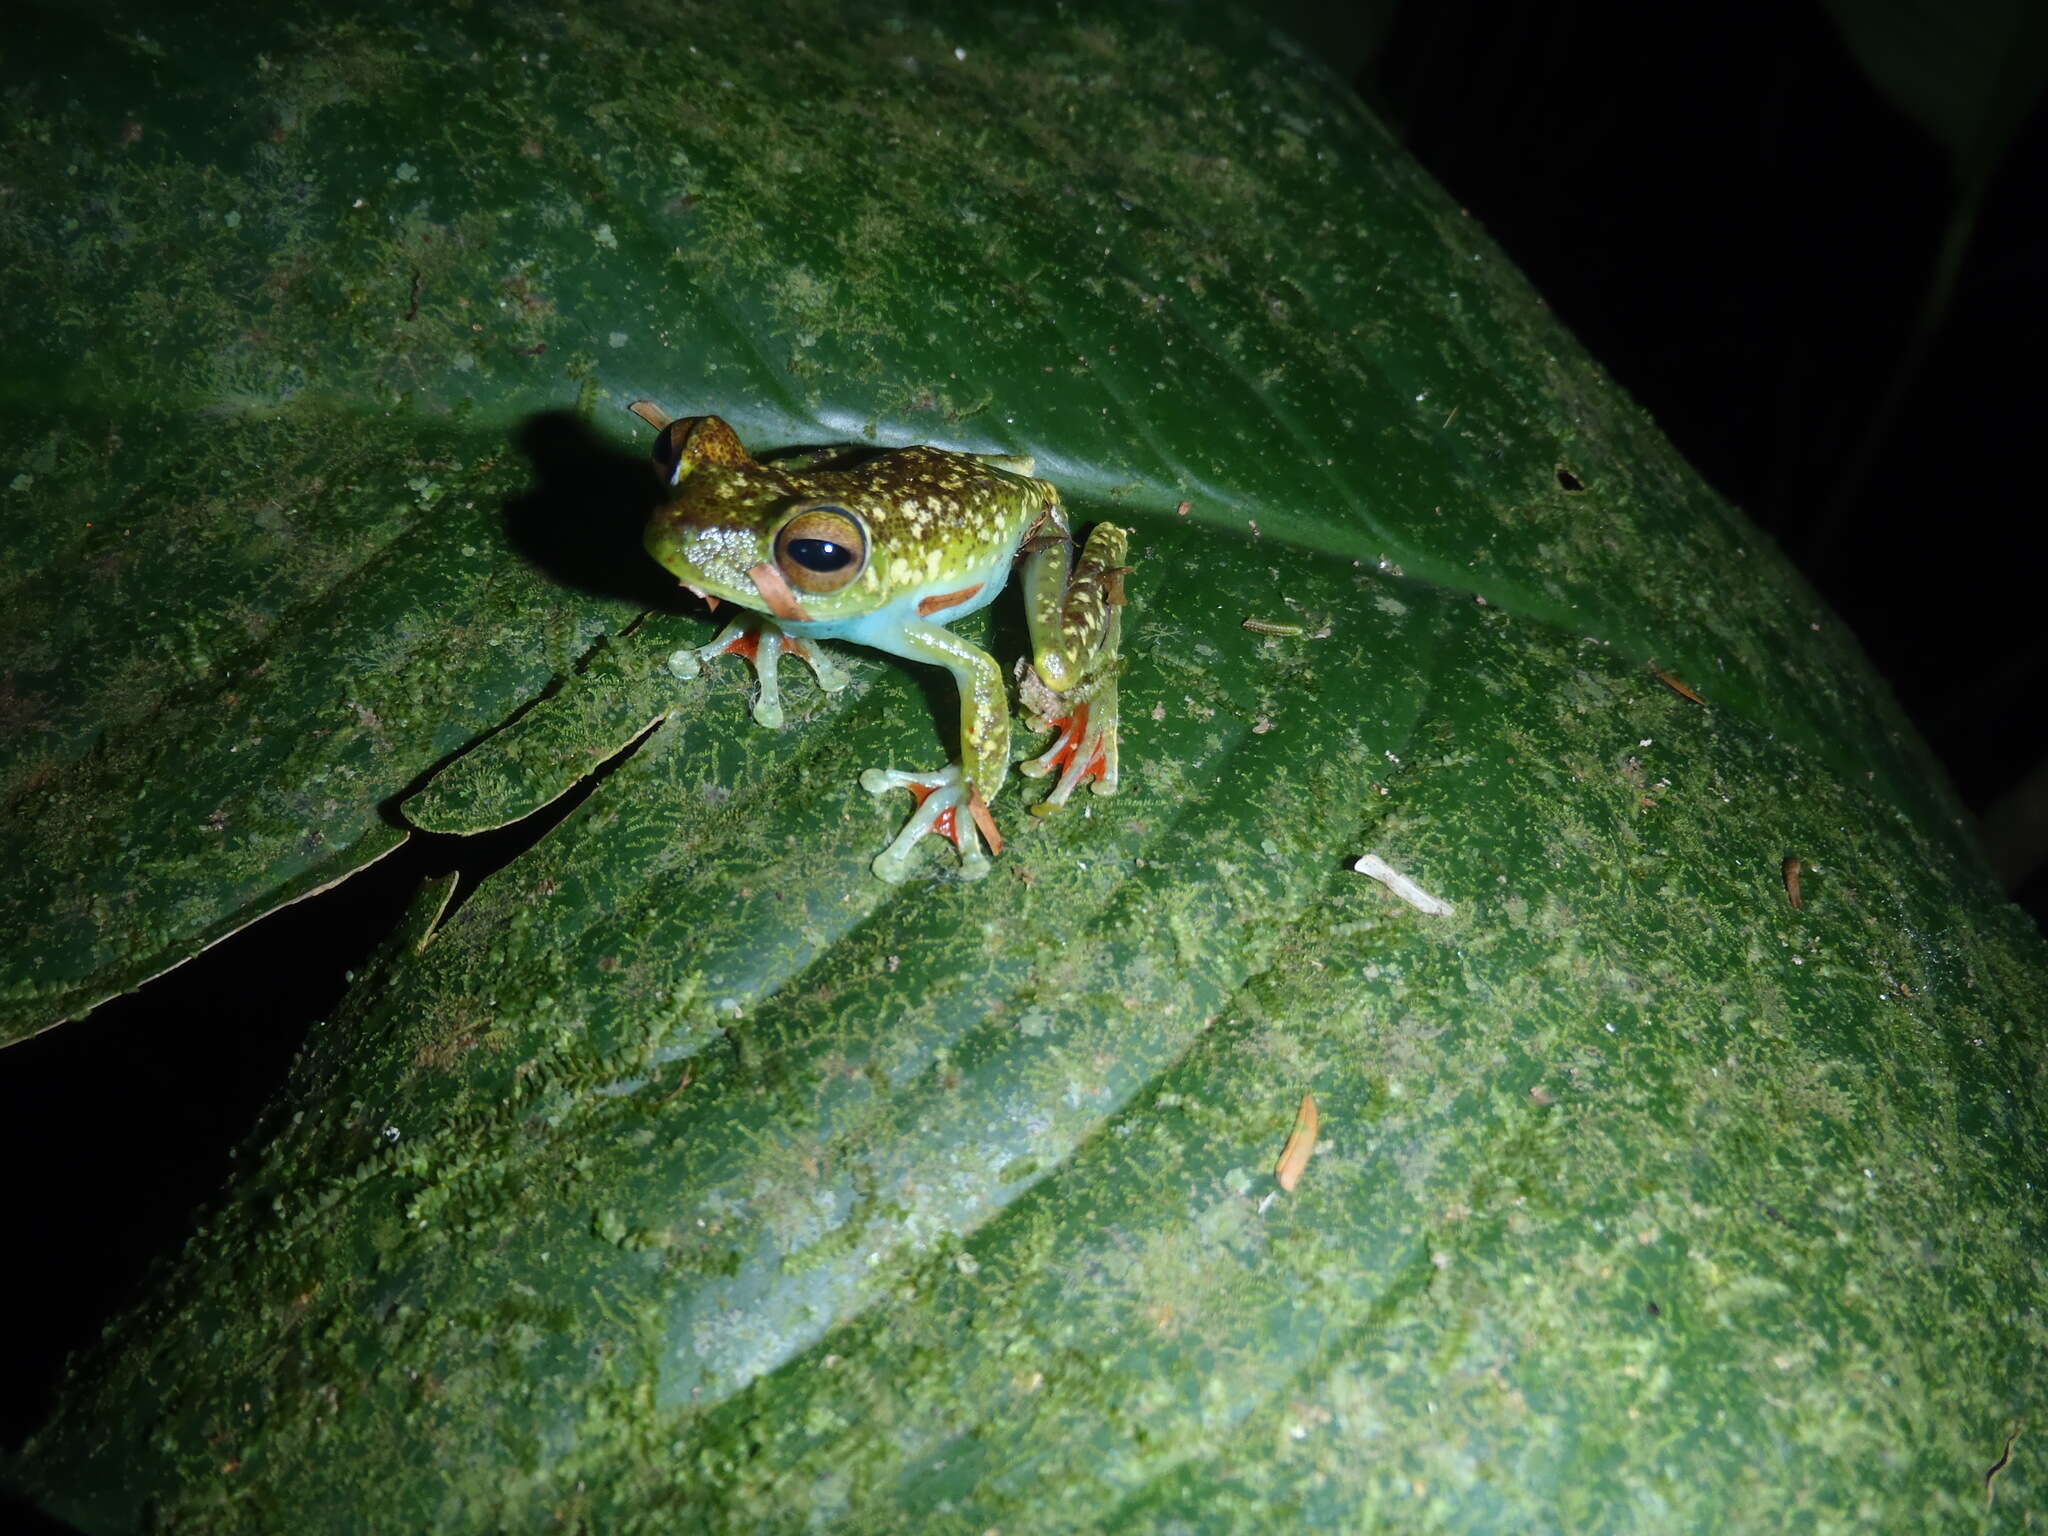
[(1676, 686), (1379, 869), (1301, 1145)]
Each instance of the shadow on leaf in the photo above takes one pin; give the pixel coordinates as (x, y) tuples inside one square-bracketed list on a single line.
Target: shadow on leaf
[(582, 520)]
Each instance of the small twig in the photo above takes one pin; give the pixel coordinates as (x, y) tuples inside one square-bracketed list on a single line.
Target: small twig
[(1998, 1466)]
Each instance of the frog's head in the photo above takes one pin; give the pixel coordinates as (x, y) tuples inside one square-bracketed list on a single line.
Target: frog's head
[(742, 532)]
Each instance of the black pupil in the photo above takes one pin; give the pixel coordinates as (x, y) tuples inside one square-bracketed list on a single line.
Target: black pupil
[(820, 554)]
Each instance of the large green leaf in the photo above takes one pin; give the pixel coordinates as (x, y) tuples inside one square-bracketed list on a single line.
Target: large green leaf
[(278, 304), (688, 1176)]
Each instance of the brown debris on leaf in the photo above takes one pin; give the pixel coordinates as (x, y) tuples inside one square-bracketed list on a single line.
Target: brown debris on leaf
[(1301, 1145)]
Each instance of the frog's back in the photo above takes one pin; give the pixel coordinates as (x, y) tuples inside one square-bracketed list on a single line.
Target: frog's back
[(930, 497)]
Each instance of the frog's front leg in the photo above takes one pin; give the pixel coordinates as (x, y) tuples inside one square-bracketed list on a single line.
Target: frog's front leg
[(954, 801), (1075, 622), (762, 643)]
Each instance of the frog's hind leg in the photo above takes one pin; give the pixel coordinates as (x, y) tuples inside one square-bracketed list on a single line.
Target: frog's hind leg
[(1084, 749), (1071, 689), (762, 644)]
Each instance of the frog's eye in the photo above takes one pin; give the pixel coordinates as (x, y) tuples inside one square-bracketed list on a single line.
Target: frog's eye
[(821, 549), (668, 453)]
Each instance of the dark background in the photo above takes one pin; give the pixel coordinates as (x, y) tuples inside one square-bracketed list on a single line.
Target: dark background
[(1744, 229), (1737, 222)]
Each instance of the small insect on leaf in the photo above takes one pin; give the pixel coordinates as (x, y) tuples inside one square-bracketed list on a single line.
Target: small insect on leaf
[(1792, 867), (1268, 627), (1301, 1145)]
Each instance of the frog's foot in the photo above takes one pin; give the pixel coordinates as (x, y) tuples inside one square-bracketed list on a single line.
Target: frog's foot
[(1084, 751), (941, 798), (763, 646)]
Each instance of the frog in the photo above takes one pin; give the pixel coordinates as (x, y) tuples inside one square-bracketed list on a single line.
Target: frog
[(886, 551)]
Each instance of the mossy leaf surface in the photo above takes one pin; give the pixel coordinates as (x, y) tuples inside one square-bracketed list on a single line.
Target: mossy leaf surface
[(685, 1175)]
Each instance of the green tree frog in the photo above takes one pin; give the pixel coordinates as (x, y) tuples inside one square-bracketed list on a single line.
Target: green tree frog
[(887, 552)]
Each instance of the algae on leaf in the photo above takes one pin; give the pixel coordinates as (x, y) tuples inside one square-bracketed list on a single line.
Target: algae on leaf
[(688, 1177), (280, 291)]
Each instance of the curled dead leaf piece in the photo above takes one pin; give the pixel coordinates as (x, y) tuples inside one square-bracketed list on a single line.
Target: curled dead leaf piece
[(650, 413), (775, 592), (978, 809), (1301, 1145), (1676, 686), (1792, 867)]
